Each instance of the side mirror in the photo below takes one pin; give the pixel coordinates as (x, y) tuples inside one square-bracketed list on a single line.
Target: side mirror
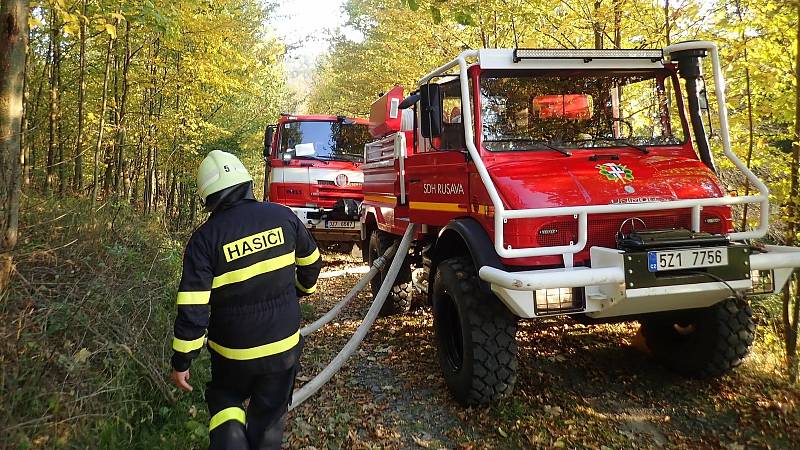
[(268, 133), (430, 110)]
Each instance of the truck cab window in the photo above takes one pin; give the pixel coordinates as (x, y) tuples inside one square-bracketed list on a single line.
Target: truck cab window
[(452, 126), (327, 140), (575, 109)]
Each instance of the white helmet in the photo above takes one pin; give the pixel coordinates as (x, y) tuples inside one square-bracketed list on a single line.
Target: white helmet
[(220, 170)]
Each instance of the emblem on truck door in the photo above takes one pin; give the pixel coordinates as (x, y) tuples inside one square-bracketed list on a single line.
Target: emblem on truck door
[(615, 172), (342, 180)]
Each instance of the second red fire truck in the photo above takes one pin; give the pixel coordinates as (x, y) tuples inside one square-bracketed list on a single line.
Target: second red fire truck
[(313, 167)]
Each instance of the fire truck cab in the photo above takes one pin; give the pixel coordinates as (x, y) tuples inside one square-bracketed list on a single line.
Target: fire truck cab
[(569, 182), (313, 167)]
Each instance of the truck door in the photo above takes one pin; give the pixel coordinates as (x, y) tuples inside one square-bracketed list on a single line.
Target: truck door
[(436, 174)]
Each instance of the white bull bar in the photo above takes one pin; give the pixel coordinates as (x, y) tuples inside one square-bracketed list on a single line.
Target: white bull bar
[(606, 294)]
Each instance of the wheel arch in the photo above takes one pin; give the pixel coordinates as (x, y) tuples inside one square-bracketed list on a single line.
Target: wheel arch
[(369, 223), (465, 237)]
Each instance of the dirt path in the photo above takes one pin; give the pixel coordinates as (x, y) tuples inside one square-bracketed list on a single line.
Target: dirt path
[(578, 387)]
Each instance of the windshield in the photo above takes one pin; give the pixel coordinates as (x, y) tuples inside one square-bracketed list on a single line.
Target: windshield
[(582, 108), (325, 140)]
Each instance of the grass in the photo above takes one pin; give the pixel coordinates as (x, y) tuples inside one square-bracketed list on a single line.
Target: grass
[(85, 331)]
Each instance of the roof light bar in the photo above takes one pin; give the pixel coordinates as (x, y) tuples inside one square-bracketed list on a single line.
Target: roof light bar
[(587, 54)]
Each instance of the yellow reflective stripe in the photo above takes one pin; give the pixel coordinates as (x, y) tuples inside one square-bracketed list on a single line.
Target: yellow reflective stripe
[(381, 199), (194, 298), (235, 276), (310, 290), (232, 413), (308, 260), (179, 345), (257, 352), (437, 206)]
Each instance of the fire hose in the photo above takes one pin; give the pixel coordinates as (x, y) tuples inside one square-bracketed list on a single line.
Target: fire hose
[(400, 251)]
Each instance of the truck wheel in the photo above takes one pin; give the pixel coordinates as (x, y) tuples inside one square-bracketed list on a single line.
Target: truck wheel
[(399, 299), (701, 343), (475, 335)]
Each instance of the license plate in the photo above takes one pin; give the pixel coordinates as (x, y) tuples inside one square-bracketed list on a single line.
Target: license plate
[(340, 224), (686, 259)]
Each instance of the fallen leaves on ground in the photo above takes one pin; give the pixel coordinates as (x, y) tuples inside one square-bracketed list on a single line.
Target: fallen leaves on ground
[(578, 386)]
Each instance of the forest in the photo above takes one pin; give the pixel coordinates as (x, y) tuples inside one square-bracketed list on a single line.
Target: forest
[(108, 107)]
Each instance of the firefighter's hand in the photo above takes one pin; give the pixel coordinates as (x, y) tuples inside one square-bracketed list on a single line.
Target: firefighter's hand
[(181, 379)]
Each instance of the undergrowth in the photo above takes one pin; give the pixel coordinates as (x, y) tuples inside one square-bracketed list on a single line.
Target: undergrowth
[(85, 331)]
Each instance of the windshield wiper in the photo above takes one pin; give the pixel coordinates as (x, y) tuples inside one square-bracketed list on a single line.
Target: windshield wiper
[(535, 142), (632, 145), (348, 158), (553, 147), (315, 157)]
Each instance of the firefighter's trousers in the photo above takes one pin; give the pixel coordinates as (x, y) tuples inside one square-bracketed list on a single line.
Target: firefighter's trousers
[(261, 426)]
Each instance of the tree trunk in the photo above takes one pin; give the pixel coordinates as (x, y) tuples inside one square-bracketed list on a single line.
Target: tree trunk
[(13, 43), (60, 163), (23, 138), (104, 103), (667, 25), (77, 182), (749, 95), (618, 23), (53, 111), (597, 27), (122, 108), (791, 298), (33, 118), (109, 159)]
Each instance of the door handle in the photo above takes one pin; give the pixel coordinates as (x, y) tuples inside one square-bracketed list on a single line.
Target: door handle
[(414, 180)]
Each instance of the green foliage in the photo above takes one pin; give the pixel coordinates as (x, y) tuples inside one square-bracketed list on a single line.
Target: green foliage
[(184, 78), (401, 44), (86, 332)]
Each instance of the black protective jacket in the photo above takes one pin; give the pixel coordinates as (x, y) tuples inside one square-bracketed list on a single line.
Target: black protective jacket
[(243, 270)]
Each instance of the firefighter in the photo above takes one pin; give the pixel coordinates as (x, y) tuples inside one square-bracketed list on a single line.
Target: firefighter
[(243, 271)]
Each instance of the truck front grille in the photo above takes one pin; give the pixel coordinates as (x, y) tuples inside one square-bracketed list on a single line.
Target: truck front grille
[(603, 230)]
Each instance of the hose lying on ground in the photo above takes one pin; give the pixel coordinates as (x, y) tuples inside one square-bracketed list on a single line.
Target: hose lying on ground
[(310, 388), (377, 266)]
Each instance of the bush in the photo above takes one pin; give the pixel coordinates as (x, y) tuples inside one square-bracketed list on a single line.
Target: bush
[(85, 329)]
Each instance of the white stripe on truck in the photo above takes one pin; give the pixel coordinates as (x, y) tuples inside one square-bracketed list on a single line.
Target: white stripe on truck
[(306, 174)]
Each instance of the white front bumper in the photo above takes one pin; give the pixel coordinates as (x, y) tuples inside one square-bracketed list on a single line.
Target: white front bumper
[(318, 224), (607, 296)]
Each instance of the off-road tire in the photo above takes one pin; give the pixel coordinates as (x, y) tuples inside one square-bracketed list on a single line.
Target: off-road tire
[(475, 335), (720, 340), (399, 299)]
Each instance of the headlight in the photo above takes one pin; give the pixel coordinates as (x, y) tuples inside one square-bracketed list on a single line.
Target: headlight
[(558, 300)]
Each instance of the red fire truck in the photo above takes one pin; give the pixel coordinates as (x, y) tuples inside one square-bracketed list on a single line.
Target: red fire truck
[(568, 182), (313, 167)]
